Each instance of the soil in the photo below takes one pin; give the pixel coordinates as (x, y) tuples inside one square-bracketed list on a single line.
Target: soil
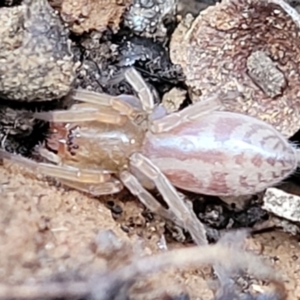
[(47, 232)]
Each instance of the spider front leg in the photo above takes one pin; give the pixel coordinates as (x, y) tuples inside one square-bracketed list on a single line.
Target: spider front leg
[(171, 196), (103, 107), (96, 181), (124, 104), (82, 113)]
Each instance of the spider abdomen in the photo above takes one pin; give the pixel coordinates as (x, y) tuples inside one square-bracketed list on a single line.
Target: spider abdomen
[(222, 153)]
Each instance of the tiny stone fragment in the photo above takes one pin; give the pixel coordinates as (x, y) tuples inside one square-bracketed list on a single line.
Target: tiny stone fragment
[(282, 204), (173, 99), (36, 63)]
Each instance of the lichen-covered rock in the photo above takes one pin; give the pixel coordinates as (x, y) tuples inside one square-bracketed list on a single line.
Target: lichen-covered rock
[(248, 51), (36, 63)]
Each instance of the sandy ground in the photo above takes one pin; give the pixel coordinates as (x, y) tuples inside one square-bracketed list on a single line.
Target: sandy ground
[(47, 232)]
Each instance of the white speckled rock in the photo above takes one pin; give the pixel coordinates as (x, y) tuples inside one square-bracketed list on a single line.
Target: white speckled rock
[(282, 204)]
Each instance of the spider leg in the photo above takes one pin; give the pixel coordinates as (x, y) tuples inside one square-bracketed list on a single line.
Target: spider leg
[(112, 186), (124, 104), (82, 113), (60, 172), (138, 83), (190, 113), (103, 107), (171, 196), (136, 189)]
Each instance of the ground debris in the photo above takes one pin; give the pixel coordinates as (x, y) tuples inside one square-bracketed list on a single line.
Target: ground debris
[(173, 99), (115, 283)]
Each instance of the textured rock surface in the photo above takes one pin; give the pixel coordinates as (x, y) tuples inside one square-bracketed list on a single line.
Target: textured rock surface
[(282, 204), (36, 63), (249, 51)]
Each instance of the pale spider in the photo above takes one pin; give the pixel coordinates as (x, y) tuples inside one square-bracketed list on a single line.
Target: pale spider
[(107, 142)]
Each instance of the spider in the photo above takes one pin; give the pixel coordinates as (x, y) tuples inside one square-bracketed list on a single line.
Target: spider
[(104, 143)]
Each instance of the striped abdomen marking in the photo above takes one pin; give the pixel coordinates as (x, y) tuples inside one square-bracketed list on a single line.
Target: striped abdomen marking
[(222, 153)]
